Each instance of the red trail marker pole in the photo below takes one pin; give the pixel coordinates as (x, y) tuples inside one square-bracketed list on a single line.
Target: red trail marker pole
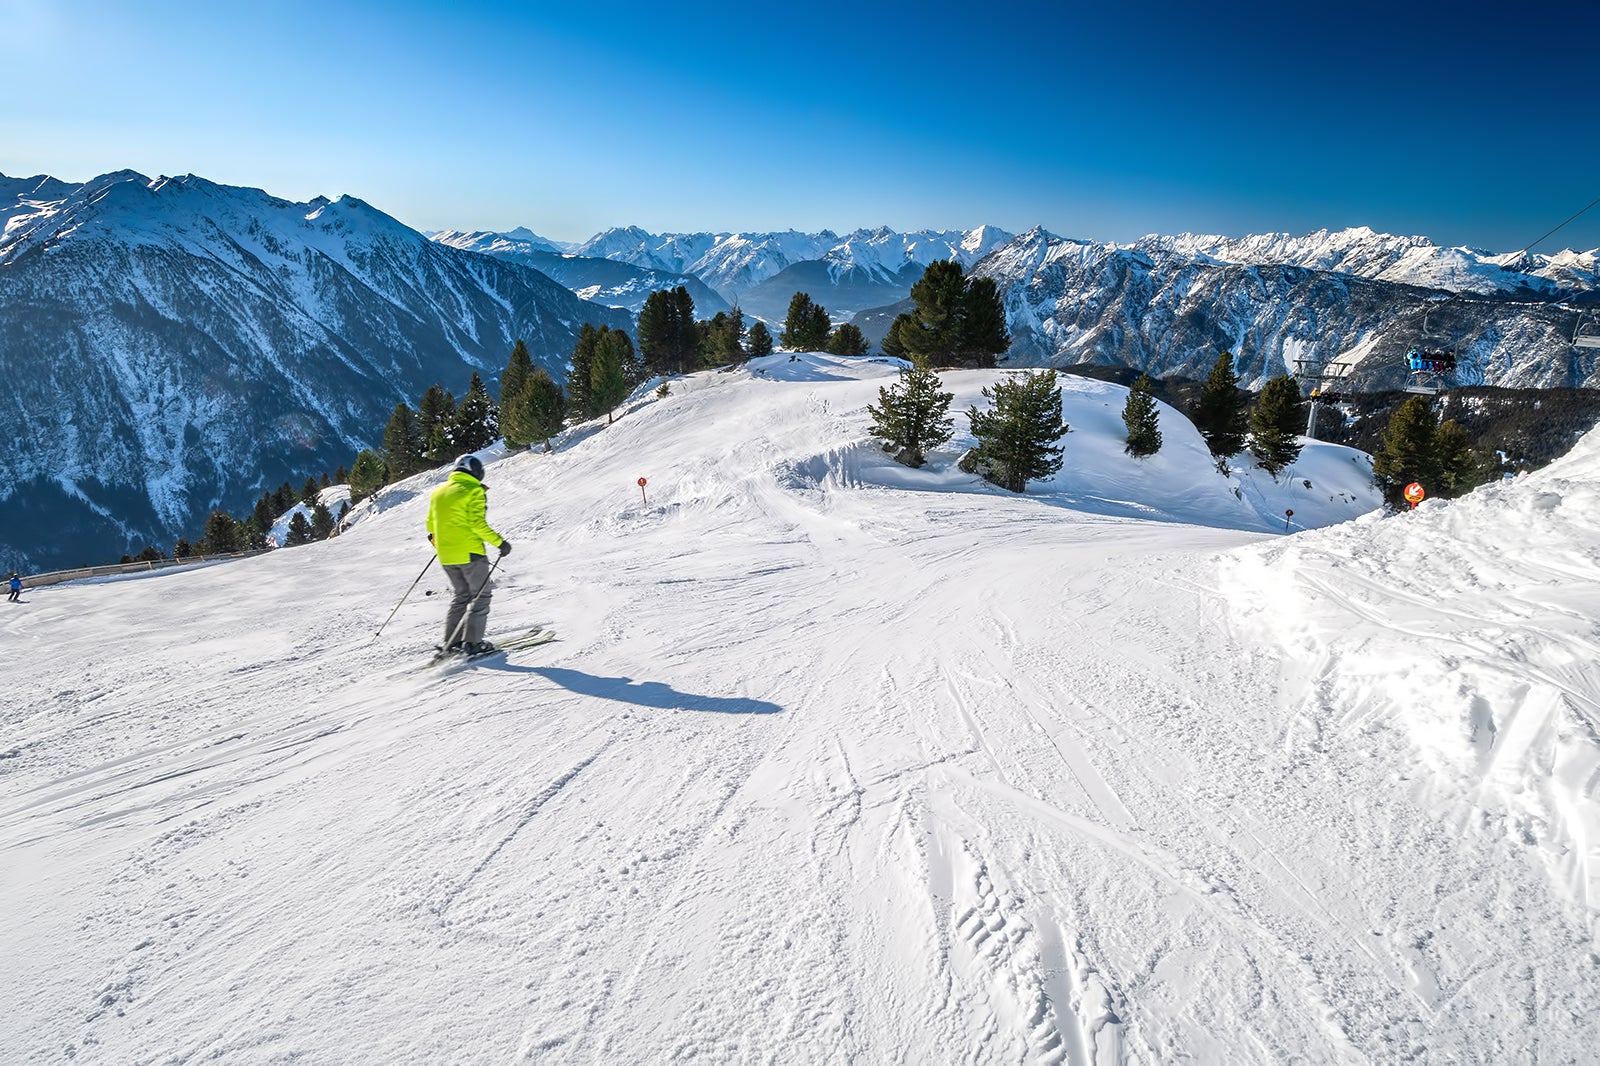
[(642, 498)]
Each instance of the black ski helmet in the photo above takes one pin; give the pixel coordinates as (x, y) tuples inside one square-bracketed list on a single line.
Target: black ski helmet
[(470, 464)]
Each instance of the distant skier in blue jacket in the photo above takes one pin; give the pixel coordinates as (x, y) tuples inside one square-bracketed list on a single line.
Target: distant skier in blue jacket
[(15, 585)]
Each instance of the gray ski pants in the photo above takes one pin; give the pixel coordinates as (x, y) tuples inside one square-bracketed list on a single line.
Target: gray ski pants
[(467, 579)]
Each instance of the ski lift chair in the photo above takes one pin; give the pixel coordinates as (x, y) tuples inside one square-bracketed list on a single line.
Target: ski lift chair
[(1586, 337)]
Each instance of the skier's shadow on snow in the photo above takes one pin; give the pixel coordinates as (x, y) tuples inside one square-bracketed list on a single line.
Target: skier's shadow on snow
[(645, 693)]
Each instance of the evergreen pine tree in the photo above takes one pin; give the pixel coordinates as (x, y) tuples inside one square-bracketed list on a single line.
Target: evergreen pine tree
[(933, 333), (1275, 425), (912, 415), (299, 530), (366, 476), (223, 533), (514, 417), (733, 336), (285, 498), (183, 549), (321, 521), (151, 554), (583, 368), (893, 345), (956, 320), (309, 491), (760, 340), (1140, 415), (545, 406), (669, 340), (1017, 436), (793, 322), (806, 326), (608, 381), (477, 418), (1221, 414), (984, 334), (1461, 469), (341, 476), (519, 367), (847, 340), (402, 442), (252, 534), (264, 514), (436, 417)]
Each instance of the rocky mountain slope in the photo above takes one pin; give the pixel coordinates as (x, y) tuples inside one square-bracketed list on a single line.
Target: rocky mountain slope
[(1169, 304), (175, 345)]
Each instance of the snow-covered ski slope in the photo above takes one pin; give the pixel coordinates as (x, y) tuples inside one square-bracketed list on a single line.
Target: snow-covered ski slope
[(834, 761)]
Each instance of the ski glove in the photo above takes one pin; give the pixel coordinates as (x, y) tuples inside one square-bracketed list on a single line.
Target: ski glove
[(505, 548)]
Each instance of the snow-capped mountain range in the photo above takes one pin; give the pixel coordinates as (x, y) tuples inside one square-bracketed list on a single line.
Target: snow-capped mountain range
[(761, 271), (174, 345), (1169, 304), (611, 282)]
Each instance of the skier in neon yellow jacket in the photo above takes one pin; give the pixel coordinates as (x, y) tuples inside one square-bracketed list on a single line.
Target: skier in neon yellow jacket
[(458, 528)]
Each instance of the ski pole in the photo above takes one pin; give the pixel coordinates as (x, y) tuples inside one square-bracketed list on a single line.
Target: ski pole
[(467, 612), (403, 599)]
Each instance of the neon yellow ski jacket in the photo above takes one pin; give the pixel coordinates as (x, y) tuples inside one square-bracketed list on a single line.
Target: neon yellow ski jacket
[(458, 519)]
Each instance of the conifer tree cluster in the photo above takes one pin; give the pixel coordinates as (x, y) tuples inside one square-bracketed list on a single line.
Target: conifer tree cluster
[(669, 338), (604, 370), (1017, 435), (958, 321), (1436, 455), (532, 405), (722, 338)]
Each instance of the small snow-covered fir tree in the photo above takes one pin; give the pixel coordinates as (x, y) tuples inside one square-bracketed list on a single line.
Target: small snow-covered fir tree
[(912, 415), (1017, 435), (1275, 425), (299, 530), (1222, 413), (760, 340), (1139, 414)]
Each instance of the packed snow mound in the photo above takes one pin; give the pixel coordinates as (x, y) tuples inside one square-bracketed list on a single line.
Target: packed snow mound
[(1468, 627), (831, 760)]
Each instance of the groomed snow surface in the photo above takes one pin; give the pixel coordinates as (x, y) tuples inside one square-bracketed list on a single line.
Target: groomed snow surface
[(834, 761)]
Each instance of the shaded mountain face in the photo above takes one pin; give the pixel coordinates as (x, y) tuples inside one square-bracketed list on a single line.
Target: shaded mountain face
[(1169, 305), (172, 346), (604, 281)]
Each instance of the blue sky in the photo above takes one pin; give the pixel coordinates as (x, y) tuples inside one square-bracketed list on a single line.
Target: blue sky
[(1468, 123)]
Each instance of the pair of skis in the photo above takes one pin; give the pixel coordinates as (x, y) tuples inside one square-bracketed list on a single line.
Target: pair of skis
[(530, 638)]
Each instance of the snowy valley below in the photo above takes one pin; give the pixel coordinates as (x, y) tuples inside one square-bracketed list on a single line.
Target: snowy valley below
[(833, 761)]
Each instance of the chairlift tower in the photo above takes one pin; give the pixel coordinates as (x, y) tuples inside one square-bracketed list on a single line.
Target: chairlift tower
[(1314, 374)]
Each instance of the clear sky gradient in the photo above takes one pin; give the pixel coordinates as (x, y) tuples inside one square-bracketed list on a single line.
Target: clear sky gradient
[(1468, 123)]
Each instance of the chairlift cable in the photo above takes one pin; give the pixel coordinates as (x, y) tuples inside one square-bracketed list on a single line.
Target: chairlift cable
[(1529, 247)]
